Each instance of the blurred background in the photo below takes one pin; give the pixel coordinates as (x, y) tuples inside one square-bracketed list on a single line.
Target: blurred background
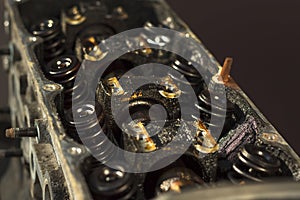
[(263, 37)]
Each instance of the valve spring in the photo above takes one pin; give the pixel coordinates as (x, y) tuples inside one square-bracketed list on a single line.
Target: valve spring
[(87, 124), (63, 70), (53, 37), (190, 73), (219, 113), (254, 163), (111, 184)]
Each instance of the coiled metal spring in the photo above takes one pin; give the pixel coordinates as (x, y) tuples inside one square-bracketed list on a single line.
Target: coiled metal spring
[(53, 38), (254, 163), (63, 70), (219, 113), (188, 72), (111, 184), (87, 128)]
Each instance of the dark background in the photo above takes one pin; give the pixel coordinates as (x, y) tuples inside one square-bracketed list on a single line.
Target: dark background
[(262, 36)]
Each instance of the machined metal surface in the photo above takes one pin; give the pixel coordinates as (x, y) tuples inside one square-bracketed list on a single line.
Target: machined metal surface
[(55, 160)]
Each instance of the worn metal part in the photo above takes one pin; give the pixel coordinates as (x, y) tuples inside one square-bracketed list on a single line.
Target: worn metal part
[(55, 159), (24, 132), (280, 190)]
